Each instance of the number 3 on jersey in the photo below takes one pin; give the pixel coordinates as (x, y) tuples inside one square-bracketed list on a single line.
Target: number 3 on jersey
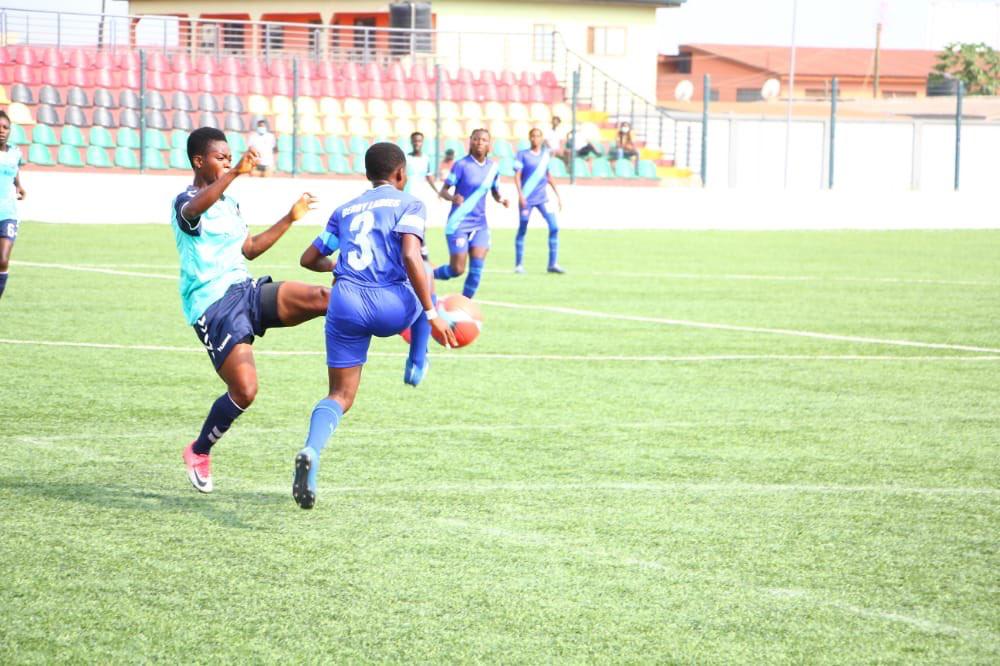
[(361, 226)]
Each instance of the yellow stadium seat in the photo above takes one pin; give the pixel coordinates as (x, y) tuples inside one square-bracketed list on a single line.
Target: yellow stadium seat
[(540, 114), (20, 114), (3, 95), (358, 126), (334, 125), (452, 129), (400, 108), (354, 107), (472, 125), (500, 130), (517, 111), (281, 105), (494, 111), (472, 111), (449, 110), (309, 125), (308, 107), (377, 108), (328, 106), (427, 126), (258, 105), (404, 127), (562, 110), (521, 128), (381, 127), (424, 109), (283, 124)]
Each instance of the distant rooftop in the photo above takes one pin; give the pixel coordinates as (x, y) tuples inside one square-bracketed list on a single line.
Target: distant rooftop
[(825, 62)]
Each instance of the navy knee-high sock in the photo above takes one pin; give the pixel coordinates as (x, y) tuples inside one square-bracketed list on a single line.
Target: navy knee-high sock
[(444, 272), (474, 276), (420, 336), (522, 230), (3, 282), (220, 417)]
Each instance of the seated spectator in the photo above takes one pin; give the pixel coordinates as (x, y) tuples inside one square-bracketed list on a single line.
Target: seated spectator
[(555, 138), (267, 145), (625, 146), (586, 150), (445, 167)]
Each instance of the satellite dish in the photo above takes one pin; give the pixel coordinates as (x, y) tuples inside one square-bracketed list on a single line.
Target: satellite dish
[(684, 91), (771, 89)]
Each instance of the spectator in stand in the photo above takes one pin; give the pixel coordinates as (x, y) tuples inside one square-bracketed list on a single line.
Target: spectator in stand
[(555, 139), (445, 167), (625, 146), (585, 148), (266, 144)]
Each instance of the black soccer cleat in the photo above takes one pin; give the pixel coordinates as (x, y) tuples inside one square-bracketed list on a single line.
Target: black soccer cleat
[(303, 485)]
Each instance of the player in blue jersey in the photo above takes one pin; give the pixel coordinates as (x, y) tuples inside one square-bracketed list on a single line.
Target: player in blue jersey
[(466, 230), (381, 288), (10, 193), (226, 307), (531, 176)]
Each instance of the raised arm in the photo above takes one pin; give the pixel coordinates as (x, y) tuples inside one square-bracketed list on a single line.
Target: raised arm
[(207, 197), (254, 246), (314, 260), (414, 263)]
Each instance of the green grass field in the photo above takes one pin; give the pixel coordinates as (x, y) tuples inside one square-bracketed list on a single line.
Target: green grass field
[(571, 488)]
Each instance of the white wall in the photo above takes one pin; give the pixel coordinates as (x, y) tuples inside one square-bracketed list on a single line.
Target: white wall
[(55, 196)]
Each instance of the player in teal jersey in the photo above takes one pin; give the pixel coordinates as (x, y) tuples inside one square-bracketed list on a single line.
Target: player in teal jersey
[(226, 307), (10, 193)]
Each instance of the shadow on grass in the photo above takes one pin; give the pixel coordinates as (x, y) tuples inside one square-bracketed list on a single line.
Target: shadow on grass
[(216, 508)]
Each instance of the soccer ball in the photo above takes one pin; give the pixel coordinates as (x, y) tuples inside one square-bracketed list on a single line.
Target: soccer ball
[(462, 315)]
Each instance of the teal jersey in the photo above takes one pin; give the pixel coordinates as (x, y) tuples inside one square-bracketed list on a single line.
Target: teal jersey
[(211, 252), (10, 163)]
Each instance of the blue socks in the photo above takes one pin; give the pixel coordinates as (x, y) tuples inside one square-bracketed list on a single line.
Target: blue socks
[(443, 272), (325, 418), (220, 417), (474, 276), (3, 282), (553, 240), (522, 230)]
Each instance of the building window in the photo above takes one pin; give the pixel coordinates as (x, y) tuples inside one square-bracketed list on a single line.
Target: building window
[(896, 94), (822, 93), (606, 41), (233, 39), (541, 42), (748, 95), (274, 36)]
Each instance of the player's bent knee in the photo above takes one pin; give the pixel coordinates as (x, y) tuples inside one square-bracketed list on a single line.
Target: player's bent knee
[(244, 393), (346, 400)]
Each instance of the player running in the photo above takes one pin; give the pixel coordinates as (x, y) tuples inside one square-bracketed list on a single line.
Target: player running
[(466, 229), (381, 288), (10, 193), (531, 174), (226, 307)]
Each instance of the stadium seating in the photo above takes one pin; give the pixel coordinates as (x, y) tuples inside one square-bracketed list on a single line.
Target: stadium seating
[(126, 158), (100, 137), (98, 157), (40, 155), (72, 136), (69, 156), (44, 135)]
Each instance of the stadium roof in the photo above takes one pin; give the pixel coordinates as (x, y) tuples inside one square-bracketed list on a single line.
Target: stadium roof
[(824, 62)]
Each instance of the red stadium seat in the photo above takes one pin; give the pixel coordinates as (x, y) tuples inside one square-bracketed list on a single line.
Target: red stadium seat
[(77, 76), (5, 55), (229, 83), (182, 63), (103, 78), (466, 92), (463, 76), (548, 79), (422, 90), (507, 78), (280, 69), (307, 69), (281, 86), (24, 55), (51, 57), (488, 77), (372, 72), (255, 68), (350, 71), (52, 76), (230, 65), (157, 62), (308, 87), (395, 72), (419, 74), (21, 73), (256, 86), (79, 59), (446, 90), (129, 79), (528, 78), (128, 61), (352, 88), (157, 80), (554, 95), (375, 89), (533, 93), (206, 83), (487, 92), (400, 90), (103, 60), (327, 70), (330, 88), (184, 82)]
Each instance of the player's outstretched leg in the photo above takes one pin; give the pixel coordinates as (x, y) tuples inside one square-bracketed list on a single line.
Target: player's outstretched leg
[(554, 266), (417, 362), (240, 374), (522, 231), (325, 418), (299, 302), (477, 262), (454, 268)]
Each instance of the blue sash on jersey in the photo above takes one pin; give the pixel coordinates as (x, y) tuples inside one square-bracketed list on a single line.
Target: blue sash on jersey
[(471, 201), (537, 175)]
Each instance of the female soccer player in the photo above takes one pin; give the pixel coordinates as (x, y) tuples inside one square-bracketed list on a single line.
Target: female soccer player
[(466, 230), (10, 193), (381, 288), (531, 175), (226, 307)]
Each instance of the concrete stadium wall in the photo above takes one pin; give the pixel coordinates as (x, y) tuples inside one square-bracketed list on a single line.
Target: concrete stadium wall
[(101, 198)]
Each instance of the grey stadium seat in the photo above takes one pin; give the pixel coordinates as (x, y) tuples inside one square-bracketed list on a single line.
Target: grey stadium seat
[(207, 103), (104, 98), (154, 100), (127, 99), (49, 95), (182, 121), (234, 123), (21, 93), (128, 118), (232, 104), (77, 97), (156, 120), (46, 115), (181, 102), (104, 118), (206, 119), (75, 116)]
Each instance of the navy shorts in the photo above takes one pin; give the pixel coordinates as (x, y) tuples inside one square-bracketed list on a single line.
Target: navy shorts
[(247, 309), (8, 229), (357, 312), (463, 239)]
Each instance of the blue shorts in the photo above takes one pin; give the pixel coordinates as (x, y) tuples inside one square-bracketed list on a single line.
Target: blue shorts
[(462, 240), (236, 318), (8, 229), (357, 312), (543, 208)]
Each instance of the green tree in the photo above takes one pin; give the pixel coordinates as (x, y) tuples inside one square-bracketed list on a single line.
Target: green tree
[(976, 65)]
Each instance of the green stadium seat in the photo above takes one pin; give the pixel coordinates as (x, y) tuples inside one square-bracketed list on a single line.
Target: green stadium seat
[(358, 145), (647, 169), (310, 145), (69, 156), (507, 167), (39, 154), (126, 158), (581, 170), (101, 137), (502, 149), (558, 168), (44, 135), (456, 145), (285, 143), (311, 163), (18, 137), (179, 159), (624, 168), (285, 162), (359, 164), (523, 144), (335, 145), (128, 138), (154, 159), (72, 136), (601, 168), (155, 139), (236, 142), (339, 164), (178, 139), (98, 157)]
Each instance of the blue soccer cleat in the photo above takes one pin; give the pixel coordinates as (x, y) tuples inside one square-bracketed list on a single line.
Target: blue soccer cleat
[(413, 374), (304, 483)]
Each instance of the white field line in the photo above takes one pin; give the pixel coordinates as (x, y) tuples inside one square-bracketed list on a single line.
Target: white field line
[(462, 355), (742, 329), (680, 575), (94, 269), (625, 274), (635, 318)]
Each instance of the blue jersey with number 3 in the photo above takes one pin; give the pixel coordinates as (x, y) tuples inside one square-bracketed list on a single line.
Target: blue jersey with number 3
[(367, 232)]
